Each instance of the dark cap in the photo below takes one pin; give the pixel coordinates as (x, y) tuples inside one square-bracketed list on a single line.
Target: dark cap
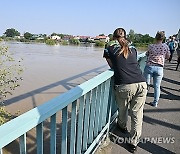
[(160, 35)]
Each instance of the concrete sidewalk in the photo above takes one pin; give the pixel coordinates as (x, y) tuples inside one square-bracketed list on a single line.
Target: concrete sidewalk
[(161, 126)]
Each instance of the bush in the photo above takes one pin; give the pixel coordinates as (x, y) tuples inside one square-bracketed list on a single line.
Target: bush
[(64, 42), (50, 42), (99, 43), (23, 40), (141, 44), (6, 116), (74, 41)]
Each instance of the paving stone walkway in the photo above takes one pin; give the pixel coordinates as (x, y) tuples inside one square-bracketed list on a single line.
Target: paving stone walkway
[(161, 126)]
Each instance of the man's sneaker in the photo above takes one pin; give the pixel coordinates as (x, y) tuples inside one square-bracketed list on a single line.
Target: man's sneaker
[(153, 104), (132, 148), (123, 130)]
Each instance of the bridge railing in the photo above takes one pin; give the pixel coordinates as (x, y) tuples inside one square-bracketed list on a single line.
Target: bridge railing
[(89, 104)]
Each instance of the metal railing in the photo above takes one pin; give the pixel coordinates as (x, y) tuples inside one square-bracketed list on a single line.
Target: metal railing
[(89, 105)]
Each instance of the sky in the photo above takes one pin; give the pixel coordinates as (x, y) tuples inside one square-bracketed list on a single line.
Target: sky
[(90, 17)]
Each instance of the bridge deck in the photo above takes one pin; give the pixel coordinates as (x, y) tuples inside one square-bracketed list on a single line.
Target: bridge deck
[(159, 123)]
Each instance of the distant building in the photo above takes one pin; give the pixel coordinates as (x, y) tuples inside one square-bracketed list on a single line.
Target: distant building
[(67, 37), (76, 37), (40, 38), (17, 37), (35, 36), (83, 38), (55, 37), (102, 38)]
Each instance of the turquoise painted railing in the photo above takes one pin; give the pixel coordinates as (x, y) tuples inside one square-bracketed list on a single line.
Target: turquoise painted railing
[(91, 105)]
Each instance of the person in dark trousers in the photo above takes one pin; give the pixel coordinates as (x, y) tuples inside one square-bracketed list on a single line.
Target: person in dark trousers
[(178, 55), (129, 84), (171, 45)]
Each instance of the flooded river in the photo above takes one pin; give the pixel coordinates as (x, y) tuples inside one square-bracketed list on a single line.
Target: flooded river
[(51, 71)]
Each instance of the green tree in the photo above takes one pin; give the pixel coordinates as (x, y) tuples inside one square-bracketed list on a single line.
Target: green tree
[(101, 35), (53, 34), (110, 36), (28, 35), (12, 33), (61, 35), (44, 35), (139, 40), (131, 35)]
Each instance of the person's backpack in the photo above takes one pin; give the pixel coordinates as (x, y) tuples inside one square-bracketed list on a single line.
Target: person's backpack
[(171, 46)]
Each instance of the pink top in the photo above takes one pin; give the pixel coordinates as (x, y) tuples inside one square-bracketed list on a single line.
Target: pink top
[(157, 53)]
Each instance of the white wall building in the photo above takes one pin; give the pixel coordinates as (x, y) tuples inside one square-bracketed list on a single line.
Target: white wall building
[(55, 37)]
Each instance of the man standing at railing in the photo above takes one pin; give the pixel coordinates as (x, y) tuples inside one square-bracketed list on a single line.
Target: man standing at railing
[(130, 86)]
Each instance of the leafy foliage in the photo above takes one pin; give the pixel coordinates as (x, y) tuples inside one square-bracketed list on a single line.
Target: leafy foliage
[(27, 35), (101, 35), (74, 41), (50, 42), (64, 42), (5, 116), (53, 34), (140, 40), (110, 37), (99, 43), (12, 32)]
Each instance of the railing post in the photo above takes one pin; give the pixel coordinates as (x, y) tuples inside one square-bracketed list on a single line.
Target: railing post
[(22, 143), (39, 132), (102, 95), (73, 127), (105, 101), (92, 116), (86, 121), (53, 135), (97, 110), (80, 125), (110, 102), (64, 131)]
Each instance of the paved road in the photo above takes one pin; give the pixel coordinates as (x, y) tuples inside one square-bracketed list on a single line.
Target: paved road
[(161, 125)]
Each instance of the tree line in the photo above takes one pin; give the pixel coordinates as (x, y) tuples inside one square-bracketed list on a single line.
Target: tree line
[(138, 40)]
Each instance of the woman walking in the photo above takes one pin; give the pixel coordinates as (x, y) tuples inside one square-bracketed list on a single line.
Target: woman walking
[(156, 55), (130, 86)]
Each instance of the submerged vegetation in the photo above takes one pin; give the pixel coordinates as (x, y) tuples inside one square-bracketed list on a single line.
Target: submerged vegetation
[(10, 71), (99, 43), (50, 42), (74, 41)]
